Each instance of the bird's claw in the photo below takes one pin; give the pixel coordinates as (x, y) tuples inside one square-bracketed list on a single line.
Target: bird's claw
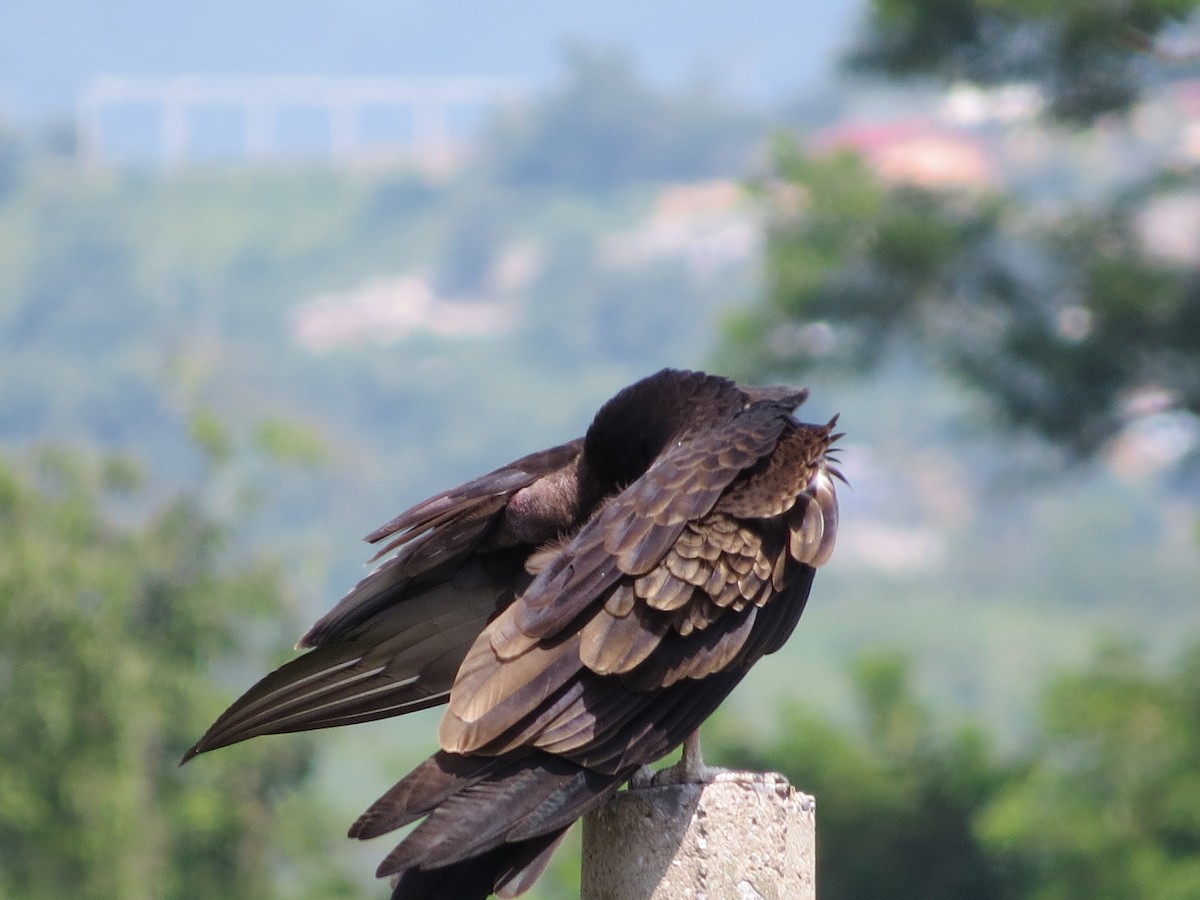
[(686, 771)]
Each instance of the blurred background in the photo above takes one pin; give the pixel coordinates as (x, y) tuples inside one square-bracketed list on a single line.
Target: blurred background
[(272, 272)]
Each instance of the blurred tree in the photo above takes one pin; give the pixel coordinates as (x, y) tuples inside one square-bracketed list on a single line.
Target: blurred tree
[(1110, 805), (472, 242), (1062, 323), (605, 127), (1089, 58), (1071, 324), (1105, 802), (897, 796), (108, 635), (1067, 318)]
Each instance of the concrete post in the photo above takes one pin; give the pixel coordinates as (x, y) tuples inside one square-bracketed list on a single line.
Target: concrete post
[(745, 836)]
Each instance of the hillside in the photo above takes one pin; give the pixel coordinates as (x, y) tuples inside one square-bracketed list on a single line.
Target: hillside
[(395, 335), (320, 348)]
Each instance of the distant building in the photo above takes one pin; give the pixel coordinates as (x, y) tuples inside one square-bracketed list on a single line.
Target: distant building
[(914, 152), (426, 115), (385, 310), (707, 225)]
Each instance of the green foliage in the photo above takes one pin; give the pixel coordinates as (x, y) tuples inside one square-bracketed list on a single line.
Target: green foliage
[(1089, 58), (288, 441), (136, 309), (109, 634), (210, 434), (1058, 323), (1110, 804), (153, 313), (895, 799), (1057, 318), (604, 127), (1104, 803)]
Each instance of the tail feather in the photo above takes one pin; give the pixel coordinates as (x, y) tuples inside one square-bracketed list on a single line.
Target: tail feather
[(507, 870), (585, 791), (474, 819), (420, 791), (525, 864), (476, 805)]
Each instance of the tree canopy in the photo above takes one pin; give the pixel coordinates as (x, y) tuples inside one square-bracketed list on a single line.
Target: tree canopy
[(1064, 323), (1089, 58), (1102, 804), (1065, 315), (115, 625), (605, 127)]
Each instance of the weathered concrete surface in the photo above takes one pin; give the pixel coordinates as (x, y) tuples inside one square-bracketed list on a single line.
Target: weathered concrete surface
[(746, 836)]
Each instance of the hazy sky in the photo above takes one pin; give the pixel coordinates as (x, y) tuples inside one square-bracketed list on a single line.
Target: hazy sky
[(760, 48)]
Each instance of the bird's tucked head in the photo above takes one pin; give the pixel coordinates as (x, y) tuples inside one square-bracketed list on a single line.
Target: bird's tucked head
[(632, 428), (637, 424)]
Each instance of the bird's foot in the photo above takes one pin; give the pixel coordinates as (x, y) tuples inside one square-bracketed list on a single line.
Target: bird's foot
[(688, 771), (703, 775), (691, 770)]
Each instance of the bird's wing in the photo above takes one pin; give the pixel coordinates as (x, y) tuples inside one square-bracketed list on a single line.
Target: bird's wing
[(401, 660), (442, 529), (395, 642), (631, 604)]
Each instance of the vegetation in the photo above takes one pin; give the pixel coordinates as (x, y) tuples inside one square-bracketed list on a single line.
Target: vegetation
[(604, 128), (1064, 318), (156, 314), (1103, 803), (114, 624), (1061, 320), (1090, 59)]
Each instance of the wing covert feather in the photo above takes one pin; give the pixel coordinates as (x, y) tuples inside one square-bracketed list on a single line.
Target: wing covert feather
[(635, 529), (439, 532)]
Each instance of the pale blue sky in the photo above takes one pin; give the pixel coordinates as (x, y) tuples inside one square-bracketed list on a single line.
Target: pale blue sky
[(765, 49)]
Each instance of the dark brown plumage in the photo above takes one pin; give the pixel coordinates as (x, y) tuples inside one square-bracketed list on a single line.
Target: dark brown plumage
[(582, 610)]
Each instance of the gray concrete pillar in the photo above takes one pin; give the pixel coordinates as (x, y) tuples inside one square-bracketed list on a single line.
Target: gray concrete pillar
[(745, 836)]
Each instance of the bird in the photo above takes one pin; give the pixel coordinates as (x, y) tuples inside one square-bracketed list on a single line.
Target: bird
[(580, 611)]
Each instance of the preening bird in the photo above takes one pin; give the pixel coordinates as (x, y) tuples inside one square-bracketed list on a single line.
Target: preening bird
[(581, 610)]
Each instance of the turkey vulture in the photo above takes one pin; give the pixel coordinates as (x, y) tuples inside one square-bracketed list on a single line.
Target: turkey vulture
[(581, 610)]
